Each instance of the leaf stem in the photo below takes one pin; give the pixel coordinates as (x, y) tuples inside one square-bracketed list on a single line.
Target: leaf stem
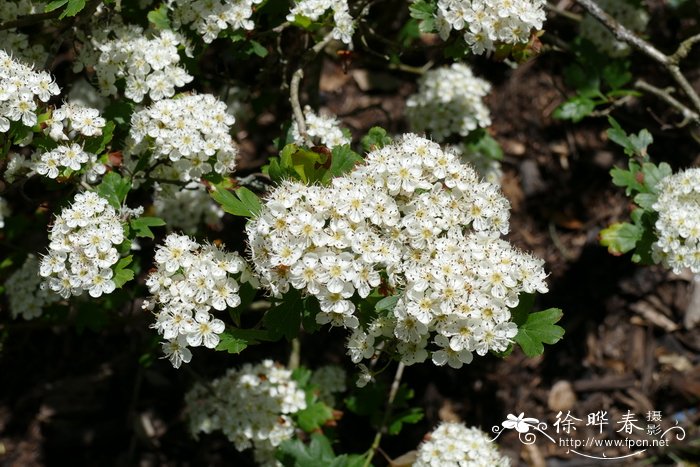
[(387, 414)]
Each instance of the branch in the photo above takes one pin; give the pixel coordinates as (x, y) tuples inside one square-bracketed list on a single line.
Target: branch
[(296, 82), (625, 35), (665, 95), (684, 49), (29, 20)]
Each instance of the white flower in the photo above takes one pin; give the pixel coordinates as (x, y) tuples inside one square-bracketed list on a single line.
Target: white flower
[(449, 102), (454, 445), (251, 406), (415, 215), (189, 280), (678, 225)]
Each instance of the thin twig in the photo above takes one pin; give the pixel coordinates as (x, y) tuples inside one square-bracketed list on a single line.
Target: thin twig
[(296, 83), (669, 62), (29, 20), (294, 100), (684, 49), (564, 13), (387, 413), (665, 95)]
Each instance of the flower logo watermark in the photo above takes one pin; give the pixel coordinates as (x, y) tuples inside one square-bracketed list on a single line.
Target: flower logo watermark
[(629, 430)]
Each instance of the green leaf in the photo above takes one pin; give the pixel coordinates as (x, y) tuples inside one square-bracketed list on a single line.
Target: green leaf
[(343, 160), (119, 112), (386, 303), (620, 237), (318, 453), (250, 200), (653, 174), (142, 225), (314, 416), (633, 144), (424, 12), (376, 138), (245, 203), (114, 189), (159, 17), (575, 109), (526, 303), (539, 329), (284, 319), (56, 4), (616, 74), (310, 310), (257, 48), (74, 7), (410, 416), (122, 275), (229, 343), (645, 200), (98, 144), (632, 179)]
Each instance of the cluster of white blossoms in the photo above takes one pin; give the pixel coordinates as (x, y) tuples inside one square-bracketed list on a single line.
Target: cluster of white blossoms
[(415, 214), (66, 156), (678, 226), (192, 132), (149, 66), (251, 406), (323, 129), (19, 86), (67, 123), (633, 18), (455, 445), (449, 102), (210, 17), (17, 43), (26, 295), (488, 23), (189, 280), (343, 25), (186, 208), (82, 248)]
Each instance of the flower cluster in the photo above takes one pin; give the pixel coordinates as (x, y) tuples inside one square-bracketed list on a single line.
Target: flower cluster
[(343, 27), (192, 132), (19, 86), (66, 156), (187, 208), (68, 123), (324, 129), (633, 18), (26, 295), (82, 248), (456, 445), (678, 226), (149, 66), (210, 17), (17, 43), (449, 102), (190, 279), (418, 217), (251, 406), (488, 23)]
